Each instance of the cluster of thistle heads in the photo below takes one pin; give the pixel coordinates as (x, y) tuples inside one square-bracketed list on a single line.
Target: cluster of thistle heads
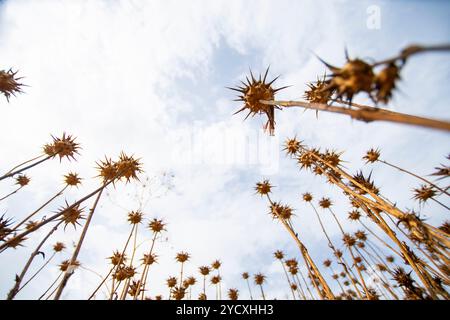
[(9, 83)]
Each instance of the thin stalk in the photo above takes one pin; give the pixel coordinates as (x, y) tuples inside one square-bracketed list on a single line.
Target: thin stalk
[(51, 286), (300, 291), (248, 285), (287, 277), (37, 272), (11, 193), (262, 292), (13, 173), (144, 275), (127, 282), (70, 272), (306, 284), (24, 163)]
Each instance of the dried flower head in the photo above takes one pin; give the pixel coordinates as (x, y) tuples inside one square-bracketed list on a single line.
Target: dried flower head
[(318, 91), (424, 193), (252, 92), (178, 293), (191, 281), (107, 169), (327, 263), (128, 167), (62, 147), (135, 288), (445, 227), (338, 253), (204, 270), (385, 82), (5, 224), (31, 225), (348, 240), (202, 296), (279, 255), (22, 180), (71, 214), (233, 294), (361, 235), (291, 263), (58, 247), (124, 272), (135, 217), (332, 157), (171, 282), (263, 188), (292, 146), (216, 264), (149, 259), (307, 197), (72, 179), (442, 172), (9, 84), (64, 266), (182, 257), (16, 241), (278, 211), (259, 278), (365, 182), (245, 275), (216, 279), (325, 203), (156, 225), (354, 215), (390, 259), (118, 258), (372, 155)]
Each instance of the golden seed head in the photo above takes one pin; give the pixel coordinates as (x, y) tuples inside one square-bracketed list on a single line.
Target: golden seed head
[(107, 169), (31, 225), (202, 296), (72, 179), (118, 258), (338, 253), (325, 203), (71, 214), (318, 91), (178, 293), (372, 155), (66, 264), (171, 282), (361, 235), (279, 255), (191, 281), (305, 160), (157, 225), (245, 275), (424, 193), (332, 157), (358, 259), (204, 270), (361, 245), (124, 272), (307, 197), (354, 215), (348, 240), (233, 294), (259, 278), (385, 82), (62, 147), (22, 180), (291, 263), (390, 259), (128, 167), (182, 257), (216, 264), (150, 259), (292, 146), (9, 84), (216, 279), (15, 242), (327, 263), (365, 182), (252, 92), (278, 211), (445, 227), (263, 188), (135, 288), (381, 267), (135, 217), (58, 247)]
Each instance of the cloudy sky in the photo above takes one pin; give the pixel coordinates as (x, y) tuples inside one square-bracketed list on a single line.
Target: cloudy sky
[(149, 77)]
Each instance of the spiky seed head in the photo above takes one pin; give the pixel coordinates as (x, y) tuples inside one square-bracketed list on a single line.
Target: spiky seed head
[(252, 93), (279, 255), (292, 146), (202, 296), (338, 253), (216, 279), (204, 270), (445, 227), (358, 259), (128, 167), (381, 267), (5, 224), (124, 272), (64, 266), (118, 258), (361, 235), (178, 293), (72, 179), (135, 288), (149, 259), (390, 259), (191, 281), (135, 217), (62, 147), (171, 282), (182, 257), (348, 240), (216, 264), (31, 225), (107, 169), (58, 247), (372, 155), (366, 182), (361, 245), (22, 180), (307, 197), (259, 278), (318, 91), (15, 242), (291, 263), (354, 215), (263, 188), (71, 215), (424, 193), (233, 294), (332, 157), (327, 263), (279, 211), (442, 172), (325, 203), (245, 275), (305, 160), (156, 225), (385, 82), (9, 84)]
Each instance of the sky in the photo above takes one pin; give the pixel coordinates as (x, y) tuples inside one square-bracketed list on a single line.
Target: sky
[(149, 78)]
